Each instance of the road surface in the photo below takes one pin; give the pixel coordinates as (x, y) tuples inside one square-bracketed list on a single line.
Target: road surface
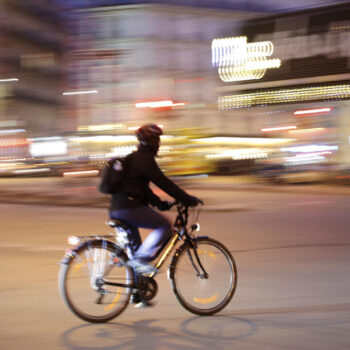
[(293, 258)]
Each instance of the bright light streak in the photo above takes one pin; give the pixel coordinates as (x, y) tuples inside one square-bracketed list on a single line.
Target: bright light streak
[(313, 111), (8, 80), (158, 104), (121, 151), (52, 138), (290, 127), (29, 171), (310, 148), (80, 92), (12, 131), (48, 148), (247, 153), (306, 131), (305, 160), (77, 173)]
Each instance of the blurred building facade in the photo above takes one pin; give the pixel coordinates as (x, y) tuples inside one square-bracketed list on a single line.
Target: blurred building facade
[(132, 59), (31, 69), (133, 55), (245, 91)]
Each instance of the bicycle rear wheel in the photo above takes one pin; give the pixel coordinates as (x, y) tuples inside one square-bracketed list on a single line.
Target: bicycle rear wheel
[(199, 294), (83, 276)]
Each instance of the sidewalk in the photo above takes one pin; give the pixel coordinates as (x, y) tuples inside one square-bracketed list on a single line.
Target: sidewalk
[(217, 192)]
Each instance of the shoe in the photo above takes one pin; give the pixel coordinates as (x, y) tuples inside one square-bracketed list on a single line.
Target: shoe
[(141, 267), (135, 298), (143, 304)]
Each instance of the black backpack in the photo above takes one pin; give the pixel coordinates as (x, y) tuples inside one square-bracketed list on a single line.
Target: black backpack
[(112, 175)]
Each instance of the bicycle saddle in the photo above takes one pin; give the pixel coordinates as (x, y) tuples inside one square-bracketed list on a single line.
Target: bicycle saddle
[(118, 223)]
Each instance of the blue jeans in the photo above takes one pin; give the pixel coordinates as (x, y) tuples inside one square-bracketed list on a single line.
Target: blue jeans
[(145, 217)]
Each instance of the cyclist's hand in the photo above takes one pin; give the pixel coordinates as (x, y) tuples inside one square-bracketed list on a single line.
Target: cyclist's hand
[(165, 205), (193, 201)]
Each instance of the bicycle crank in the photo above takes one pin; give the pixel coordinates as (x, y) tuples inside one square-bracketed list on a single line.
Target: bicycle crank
[(147, 288)]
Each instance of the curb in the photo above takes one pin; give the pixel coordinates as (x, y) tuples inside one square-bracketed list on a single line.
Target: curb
[(35, 199), (54, 199), (211, 209)]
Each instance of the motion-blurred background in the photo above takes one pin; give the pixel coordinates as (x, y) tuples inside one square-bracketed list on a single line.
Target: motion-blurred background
[(257, 88)]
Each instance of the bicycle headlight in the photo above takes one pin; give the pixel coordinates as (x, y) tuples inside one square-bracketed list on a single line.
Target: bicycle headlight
[(73, 240), (195, 227)]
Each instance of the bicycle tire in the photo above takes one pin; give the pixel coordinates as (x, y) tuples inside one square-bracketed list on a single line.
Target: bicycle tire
[(80, 283), (195, 293)]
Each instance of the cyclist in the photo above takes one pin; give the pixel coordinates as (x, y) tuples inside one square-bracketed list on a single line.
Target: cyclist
[(131, 203)]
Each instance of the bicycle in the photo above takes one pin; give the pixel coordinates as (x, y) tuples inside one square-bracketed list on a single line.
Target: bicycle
[(96, 282)]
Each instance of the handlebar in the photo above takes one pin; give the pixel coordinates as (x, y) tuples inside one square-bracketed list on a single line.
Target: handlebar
[(181, 205)]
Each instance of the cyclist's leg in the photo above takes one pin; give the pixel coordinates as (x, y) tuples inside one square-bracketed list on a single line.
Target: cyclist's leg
[(133, 234), (145, 217), (151, 219)]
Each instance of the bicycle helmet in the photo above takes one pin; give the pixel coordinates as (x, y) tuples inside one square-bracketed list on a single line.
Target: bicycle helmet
[(149, 134)]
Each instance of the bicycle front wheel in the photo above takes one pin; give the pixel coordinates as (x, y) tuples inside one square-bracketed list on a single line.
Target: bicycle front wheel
[(84, 278), (203, 292)]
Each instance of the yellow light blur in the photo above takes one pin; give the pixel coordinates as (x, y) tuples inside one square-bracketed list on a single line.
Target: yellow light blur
[(237, 60), (306, 131), (100, 127), (242, 140), (284, 96)]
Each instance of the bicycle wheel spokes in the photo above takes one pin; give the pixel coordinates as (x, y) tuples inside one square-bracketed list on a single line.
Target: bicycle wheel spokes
[(197, 292), (83, 283)]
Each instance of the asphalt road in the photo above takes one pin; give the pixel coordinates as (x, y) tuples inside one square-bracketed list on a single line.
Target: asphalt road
[(292, 253)]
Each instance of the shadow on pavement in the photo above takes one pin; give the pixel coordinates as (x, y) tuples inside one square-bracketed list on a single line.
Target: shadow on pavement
[(215, 332)]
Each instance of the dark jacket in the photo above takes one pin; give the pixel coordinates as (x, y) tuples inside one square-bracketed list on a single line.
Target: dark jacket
[(140, 168)]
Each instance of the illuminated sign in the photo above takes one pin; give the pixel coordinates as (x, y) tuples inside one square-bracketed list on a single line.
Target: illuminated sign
[(237, 60), (331, 44)]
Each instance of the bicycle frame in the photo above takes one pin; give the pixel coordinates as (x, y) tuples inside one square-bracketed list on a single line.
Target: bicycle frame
[(98, 262), (180, 232)]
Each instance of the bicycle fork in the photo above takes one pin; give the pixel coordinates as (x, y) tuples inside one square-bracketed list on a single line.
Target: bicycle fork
[(204, 273)]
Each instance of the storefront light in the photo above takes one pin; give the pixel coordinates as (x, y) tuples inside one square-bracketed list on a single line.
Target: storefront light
[(332, 92)]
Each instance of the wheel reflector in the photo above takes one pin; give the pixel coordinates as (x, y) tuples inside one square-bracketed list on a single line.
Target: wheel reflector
[(206, 300)]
